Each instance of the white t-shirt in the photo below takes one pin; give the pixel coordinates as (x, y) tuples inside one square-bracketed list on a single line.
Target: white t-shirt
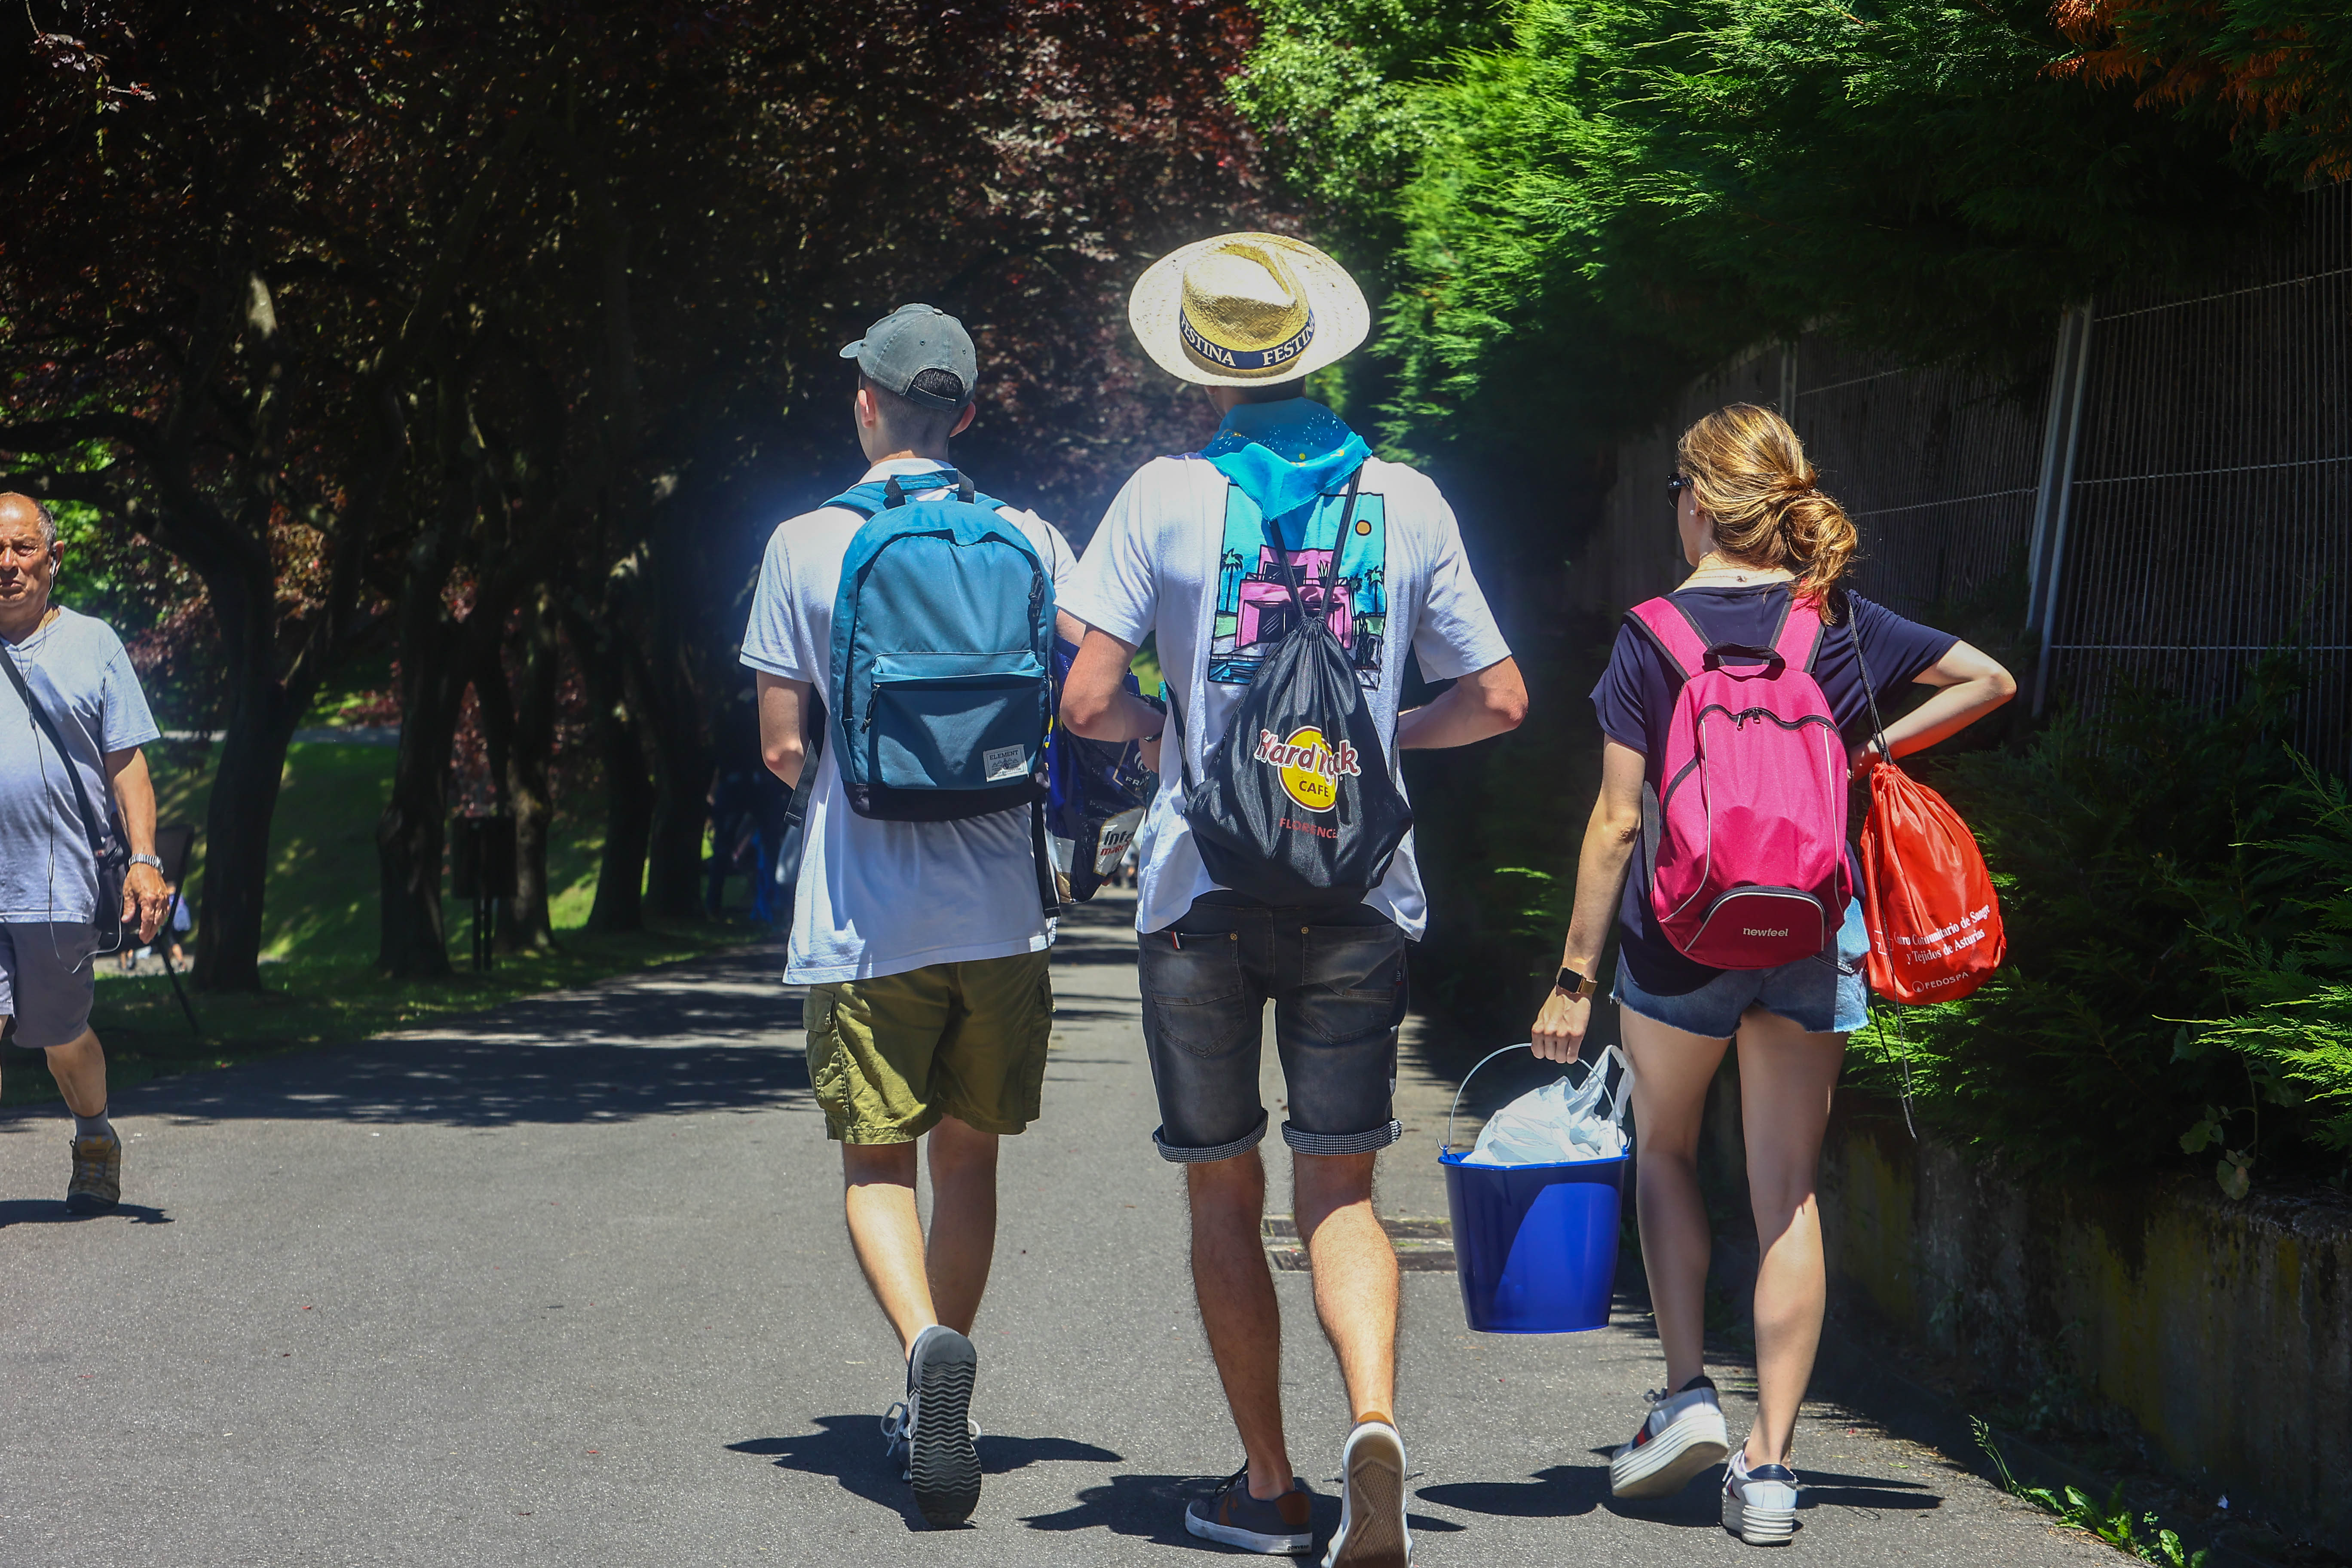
[(882, 897), (1177, 557)]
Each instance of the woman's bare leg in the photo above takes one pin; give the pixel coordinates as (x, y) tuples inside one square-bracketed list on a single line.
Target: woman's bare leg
[(1671, 1071), (1786, 1079)]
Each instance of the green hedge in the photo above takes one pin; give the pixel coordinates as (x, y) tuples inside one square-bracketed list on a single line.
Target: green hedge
[(2177, 889)]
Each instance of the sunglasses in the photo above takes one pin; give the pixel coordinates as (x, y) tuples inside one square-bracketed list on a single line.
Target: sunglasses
[(1675, 485)]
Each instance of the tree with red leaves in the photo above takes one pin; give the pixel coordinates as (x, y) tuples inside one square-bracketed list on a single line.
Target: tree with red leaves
[(2278, 73)]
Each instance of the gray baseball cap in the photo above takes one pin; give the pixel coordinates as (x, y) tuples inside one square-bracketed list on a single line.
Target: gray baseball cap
[(909, 340)]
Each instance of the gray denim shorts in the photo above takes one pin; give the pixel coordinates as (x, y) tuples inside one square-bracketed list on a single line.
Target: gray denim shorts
[(47, 980), (1336, 979)]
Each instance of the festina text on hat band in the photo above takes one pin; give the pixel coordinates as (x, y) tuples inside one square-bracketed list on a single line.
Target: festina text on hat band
[(1245, 359)]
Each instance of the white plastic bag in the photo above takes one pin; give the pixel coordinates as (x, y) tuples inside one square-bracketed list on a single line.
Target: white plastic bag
[(1560, 1123)]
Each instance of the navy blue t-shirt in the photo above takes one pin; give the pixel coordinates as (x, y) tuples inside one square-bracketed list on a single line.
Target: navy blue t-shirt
[(1636, 697)]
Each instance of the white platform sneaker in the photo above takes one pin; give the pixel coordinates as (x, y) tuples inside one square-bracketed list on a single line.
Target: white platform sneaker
[(1682, 1436), (1759, 1506)]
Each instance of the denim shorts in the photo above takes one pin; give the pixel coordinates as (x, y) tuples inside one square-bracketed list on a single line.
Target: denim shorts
[(1336, 978), (1819, 997)]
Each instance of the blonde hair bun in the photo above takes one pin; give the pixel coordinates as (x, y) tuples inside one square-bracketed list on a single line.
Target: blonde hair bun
[(1749, 473)]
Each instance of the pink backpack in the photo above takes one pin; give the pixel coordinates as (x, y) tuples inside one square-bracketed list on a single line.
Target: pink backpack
[(1748, 869)]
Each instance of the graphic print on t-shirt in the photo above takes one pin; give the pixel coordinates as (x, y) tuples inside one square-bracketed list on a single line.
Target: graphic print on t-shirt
[(1255, 610)]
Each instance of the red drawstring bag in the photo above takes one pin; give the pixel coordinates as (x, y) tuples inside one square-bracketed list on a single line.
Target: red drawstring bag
[(1935, 920)]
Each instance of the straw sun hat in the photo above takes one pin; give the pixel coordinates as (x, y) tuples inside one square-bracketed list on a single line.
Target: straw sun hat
[(1246, 309)]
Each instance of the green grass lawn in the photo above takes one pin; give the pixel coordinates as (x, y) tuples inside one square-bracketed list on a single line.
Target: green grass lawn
[(320, 932), (322, 866)]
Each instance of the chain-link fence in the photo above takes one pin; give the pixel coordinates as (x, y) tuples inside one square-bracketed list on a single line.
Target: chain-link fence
[(2171, 498)]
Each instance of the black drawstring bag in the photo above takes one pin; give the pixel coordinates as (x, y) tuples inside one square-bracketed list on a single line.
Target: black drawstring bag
[(1297, 807)]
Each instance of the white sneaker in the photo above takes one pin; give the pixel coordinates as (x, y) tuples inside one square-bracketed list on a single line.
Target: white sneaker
[(1759, 1506), (1682, 1436), (1373, 1532)]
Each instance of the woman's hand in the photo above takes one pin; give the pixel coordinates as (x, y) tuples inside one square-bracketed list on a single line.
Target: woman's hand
[(1559, 1034)]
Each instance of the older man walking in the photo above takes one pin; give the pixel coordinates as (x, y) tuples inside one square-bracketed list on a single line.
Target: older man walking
[(1285, 520), (72, 721)]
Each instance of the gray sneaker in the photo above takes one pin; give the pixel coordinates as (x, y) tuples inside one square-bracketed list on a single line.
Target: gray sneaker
[(1231, 1517), (942, 1458), (96, 1184)]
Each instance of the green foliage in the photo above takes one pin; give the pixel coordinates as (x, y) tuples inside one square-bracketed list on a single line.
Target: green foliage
[(2139, 876), (2295, 1036), (2112, 1521), (1336, 87), (1604, 198)]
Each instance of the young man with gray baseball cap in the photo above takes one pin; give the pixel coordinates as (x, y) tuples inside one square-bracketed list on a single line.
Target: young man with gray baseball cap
[(923, 943)]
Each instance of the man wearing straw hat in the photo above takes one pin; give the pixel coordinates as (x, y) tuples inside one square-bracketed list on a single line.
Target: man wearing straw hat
[(1187, 554)]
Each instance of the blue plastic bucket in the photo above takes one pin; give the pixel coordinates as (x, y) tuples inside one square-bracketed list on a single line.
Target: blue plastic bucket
[(1535, 1247)]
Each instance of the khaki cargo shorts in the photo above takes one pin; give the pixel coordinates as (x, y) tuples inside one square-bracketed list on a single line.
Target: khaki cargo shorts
[(889, 1056)]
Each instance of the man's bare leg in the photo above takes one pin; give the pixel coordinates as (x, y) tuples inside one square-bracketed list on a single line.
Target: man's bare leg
[(887, 1233), (1355, 1274), (963, 1220), (79, 1067), (1238, 1310)]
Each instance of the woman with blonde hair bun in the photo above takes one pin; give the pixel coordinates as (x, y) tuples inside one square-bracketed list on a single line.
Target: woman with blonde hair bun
[(1760, 537)]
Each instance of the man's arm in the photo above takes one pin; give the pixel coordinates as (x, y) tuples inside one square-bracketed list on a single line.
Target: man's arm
[(1490, 701), (144, 896), (1096, 702), (783, 740)]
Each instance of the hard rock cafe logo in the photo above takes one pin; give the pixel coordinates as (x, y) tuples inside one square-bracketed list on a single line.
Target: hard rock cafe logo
[(1310, 768)]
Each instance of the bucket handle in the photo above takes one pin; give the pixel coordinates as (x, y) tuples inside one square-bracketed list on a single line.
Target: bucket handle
[(1617, 1110)]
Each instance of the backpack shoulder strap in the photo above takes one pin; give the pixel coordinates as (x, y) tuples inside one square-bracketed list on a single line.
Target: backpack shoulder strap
[(1676, 636), (878, 495), (1799, 642), (862, 500)]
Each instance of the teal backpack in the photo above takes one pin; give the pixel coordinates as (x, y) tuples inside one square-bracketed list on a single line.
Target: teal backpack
[(941, 685)]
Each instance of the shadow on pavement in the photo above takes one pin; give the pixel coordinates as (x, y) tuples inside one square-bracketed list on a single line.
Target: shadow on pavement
[(53, 1211), (1562, 1492), (1149, 1507), (1864, 1491), (710, 1033), (850, 1449)]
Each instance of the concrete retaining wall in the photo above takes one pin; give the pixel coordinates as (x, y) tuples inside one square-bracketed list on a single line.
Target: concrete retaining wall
[(2224, 1329)]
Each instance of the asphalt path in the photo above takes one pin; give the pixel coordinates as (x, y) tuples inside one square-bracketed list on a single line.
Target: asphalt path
[(567, 1284)]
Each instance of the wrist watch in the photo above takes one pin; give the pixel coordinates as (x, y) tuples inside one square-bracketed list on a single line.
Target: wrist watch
[(147, 860), (1575, 985)]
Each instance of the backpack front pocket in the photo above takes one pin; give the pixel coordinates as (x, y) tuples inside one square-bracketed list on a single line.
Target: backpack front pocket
[(953, 720)]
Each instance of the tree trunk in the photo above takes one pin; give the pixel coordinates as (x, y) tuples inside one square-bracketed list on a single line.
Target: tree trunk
[(682, 768), (243, 798), (411, 834), (523, 758), (628, 791)]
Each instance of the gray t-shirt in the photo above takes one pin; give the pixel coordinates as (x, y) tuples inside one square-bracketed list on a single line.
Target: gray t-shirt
[(81, 676)]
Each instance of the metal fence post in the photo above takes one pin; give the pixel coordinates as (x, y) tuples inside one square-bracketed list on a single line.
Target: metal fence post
[(2061, 438)]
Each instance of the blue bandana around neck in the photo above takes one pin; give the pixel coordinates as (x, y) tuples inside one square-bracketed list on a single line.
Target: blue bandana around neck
[(1283, 455)]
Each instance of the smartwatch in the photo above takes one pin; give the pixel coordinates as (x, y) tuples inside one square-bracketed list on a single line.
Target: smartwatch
[(1575, 985)]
